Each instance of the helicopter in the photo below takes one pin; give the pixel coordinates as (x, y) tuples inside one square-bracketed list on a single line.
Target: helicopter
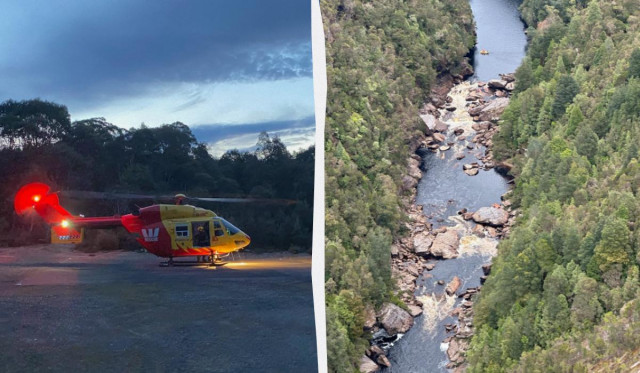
[(165, 230)]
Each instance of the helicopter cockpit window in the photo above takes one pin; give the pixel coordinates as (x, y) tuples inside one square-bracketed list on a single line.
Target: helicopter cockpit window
[(231, 229), (217, 228), (182, 231)]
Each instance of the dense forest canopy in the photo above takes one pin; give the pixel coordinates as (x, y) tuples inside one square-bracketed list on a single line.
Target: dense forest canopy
[(563, 293), (38, 142), (383, 58)]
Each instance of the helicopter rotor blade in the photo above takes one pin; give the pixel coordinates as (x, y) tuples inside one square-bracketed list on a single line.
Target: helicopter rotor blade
[(77, 194), (244, 200)]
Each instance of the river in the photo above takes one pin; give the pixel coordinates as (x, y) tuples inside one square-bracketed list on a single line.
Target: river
[(445, 189)]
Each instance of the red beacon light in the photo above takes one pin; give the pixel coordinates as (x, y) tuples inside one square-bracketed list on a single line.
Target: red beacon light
[(36, 198)]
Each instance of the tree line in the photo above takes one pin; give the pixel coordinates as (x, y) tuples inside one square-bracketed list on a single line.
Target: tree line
[(39, 142)]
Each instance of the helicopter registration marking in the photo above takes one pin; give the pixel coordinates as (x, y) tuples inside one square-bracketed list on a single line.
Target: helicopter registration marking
[(151, 234)]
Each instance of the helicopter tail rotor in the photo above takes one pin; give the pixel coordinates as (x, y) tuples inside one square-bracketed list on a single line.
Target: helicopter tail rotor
[(39, 198)]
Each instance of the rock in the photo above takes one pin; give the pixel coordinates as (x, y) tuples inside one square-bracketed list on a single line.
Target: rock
[(458, 131), (467, 166), (486, 269), (508, 77), (375, 351), (409, 183), (382, 360), (430, 108), (445, 245), (494, 109), (483, 279), (450, 108), (414, 168), (492, 232), (461, 138), (459, 156), (490, 216), (412, 268), (478, 230), (367, 365), (422, 242), (441, 126), (395, 250), (394, 319), (470, 146), (453, 351), (429, 120), (439, 137), (453, 286), (429, 266), (510, 86), (369, 317), (471, 172), (444, 148), (440, 282), (501, 94), (467, 215), (414, 311), (497, 83)]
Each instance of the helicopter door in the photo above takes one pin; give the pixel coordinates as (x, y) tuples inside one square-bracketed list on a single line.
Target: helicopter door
[(201, 236), (218, 231)]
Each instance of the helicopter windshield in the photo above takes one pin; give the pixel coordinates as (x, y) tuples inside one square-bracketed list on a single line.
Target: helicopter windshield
[(231, 229)]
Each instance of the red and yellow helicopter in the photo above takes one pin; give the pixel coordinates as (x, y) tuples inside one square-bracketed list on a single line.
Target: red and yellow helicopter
[(168, 231)]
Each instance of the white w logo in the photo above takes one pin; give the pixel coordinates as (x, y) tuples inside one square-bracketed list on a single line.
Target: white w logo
[(151, 234)]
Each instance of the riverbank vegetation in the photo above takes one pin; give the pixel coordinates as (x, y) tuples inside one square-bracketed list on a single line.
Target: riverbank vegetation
[(383, 59), (38, 142), (562, 293)]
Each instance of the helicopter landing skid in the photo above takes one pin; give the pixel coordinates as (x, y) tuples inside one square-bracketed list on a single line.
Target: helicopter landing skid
[(182, 263)]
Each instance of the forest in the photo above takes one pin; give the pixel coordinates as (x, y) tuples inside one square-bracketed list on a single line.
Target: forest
[(563, 293), (38, 142), (383, 59)]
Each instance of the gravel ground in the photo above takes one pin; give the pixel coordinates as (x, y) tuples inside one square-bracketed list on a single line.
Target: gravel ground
[(67, 311)]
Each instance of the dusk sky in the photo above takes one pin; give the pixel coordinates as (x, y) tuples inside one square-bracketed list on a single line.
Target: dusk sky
[(227, 69)]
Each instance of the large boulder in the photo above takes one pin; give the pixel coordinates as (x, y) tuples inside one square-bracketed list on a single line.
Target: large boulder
[(422, 243), (394, 319), (367, 365), (441, 126), (491, 216), (429, 120), (497, 83), (491, 110), (446, 245), (494, 109)]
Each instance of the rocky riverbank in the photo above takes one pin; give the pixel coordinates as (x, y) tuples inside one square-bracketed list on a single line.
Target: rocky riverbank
[(460, 117)]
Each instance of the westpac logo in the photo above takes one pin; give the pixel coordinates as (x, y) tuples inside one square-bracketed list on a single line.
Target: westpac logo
[(151, 234)]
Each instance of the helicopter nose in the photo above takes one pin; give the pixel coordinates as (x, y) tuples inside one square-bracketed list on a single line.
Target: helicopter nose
[(242, 239)]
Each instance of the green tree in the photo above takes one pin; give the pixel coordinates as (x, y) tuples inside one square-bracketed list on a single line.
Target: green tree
[(566, 90)]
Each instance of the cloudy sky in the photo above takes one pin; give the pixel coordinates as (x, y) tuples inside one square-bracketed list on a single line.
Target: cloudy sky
[(228, 69)]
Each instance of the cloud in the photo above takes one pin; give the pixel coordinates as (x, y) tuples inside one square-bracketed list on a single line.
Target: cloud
[(79, 52), (295, 134), (231, 103)]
